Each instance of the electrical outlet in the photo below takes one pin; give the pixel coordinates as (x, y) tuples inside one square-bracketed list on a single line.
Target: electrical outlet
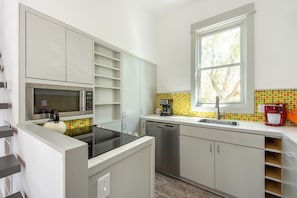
[(261, 108), (103, 186)]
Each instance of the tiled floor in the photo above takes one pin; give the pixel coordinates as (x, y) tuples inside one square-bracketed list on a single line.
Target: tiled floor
[(167, 187)]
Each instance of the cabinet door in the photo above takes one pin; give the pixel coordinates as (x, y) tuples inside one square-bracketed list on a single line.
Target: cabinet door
[(148, 77), (197, 160), (131, 125), (45, 49), (79, 58), (289, 169), (239, 170), (130, 92)]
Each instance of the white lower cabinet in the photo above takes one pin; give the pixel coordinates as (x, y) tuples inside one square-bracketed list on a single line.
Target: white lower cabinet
[(239, 170), (192, 150), (207, 158)]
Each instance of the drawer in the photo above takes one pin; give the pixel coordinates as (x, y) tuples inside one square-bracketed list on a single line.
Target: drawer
[(244, 139)]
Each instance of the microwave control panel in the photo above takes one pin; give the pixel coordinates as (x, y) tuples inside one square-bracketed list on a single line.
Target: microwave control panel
[(89, 100)]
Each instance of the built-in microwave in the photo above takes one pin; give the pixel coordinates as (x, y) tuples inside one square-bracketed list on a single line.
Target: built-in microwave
[(69, 101)]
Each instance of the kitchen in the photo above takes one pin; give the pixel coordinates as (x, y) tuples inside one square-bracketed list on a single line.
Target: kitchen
[(135, 30)]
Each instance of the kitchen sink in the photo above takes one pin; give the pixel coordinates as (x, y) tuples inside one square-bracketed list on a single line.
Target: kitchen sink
[(223, 122)]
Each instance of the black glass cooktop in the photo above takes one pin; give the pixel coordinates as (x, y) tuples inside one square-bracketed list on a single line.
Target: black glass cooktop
[(102, 140)]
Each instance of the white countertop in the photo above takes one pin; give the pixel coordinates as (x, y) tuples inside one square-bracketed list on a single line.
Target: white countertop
[(244, 127), (106, 159), (58, 141)]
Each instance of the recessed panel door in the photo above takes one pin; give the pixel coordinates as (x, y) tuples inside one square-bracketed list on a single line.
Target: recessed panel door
[(239, 170), (45, 49)]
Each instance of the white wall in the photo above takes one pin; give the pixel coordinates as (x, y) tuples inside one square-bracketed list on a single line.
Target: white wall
[(9, 50), (42, 176), (119, 23), (275, 43)]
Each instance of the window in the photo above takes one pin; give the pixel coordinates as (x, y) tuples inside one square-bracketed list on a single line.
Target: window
[(222, 61)]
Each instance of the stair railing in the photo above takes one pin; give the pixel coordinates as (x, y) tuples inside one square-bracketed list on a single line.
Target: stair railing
[(9, 164)]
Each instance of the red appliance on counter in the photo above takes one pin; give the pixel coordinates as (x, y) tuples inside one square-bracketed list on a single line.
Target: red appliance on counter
[(275, 114)]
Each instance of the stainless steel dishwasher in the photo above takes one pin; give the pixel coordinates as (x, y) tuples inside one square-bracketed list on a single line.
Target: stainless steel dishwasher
[(167, 146)]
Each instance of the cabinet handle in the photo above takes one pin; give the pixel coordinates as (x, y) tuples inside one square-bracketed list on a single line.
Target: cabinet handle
[(210, 147), (123, 115), (218, 149)]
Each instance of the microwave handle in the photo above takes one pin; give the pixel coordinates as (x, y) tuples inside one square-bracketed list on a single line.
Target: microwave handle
[(29, 103), (82, 103)]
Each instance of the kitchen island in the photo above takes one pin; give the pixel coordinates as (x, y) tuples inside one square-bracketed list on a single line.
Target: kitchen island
[(62, 164)]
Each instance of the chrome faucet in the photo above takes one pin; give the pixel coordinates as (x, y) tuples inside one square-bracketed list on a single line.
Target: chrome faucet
[(218, 114)]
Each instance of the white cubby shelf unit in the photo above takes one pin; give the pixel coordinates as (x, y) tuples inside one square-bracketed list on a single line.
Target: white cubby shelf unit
[(107, 84)]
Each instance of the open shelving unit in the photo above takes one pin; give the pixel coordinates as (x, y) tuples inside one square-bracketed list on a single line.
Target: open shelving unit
[(107, 84), (273, 167)]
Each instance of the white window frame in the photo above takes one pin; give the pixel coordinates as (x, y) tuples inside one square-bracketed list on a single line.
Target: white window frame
[(243, 16)]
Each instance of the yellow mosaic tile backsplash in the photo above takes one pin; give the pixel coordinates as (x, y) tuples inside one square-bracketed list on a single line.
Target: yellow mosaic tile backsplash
[(73, 124), (182, 104)]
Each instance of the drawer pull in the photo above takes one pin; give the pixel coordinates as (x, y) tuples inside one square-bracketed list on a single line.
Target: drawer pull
[(165, 126), (210, 147)]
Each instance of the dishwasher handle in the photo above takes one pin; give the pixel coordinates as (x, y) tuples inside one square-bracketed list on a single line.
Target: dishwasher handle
[(165, 126)]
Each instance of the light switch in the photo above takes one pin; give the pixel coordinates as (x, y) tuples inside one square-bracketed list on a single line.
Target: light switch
[(103, 186)]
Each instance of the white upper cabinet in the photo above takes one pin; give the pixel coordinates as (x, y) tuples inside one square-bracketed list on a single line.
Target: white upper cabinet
[(79, 53), (56, 53), (139, 85), (130, 86), (148, 89), (45, 49), (130, 93)]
